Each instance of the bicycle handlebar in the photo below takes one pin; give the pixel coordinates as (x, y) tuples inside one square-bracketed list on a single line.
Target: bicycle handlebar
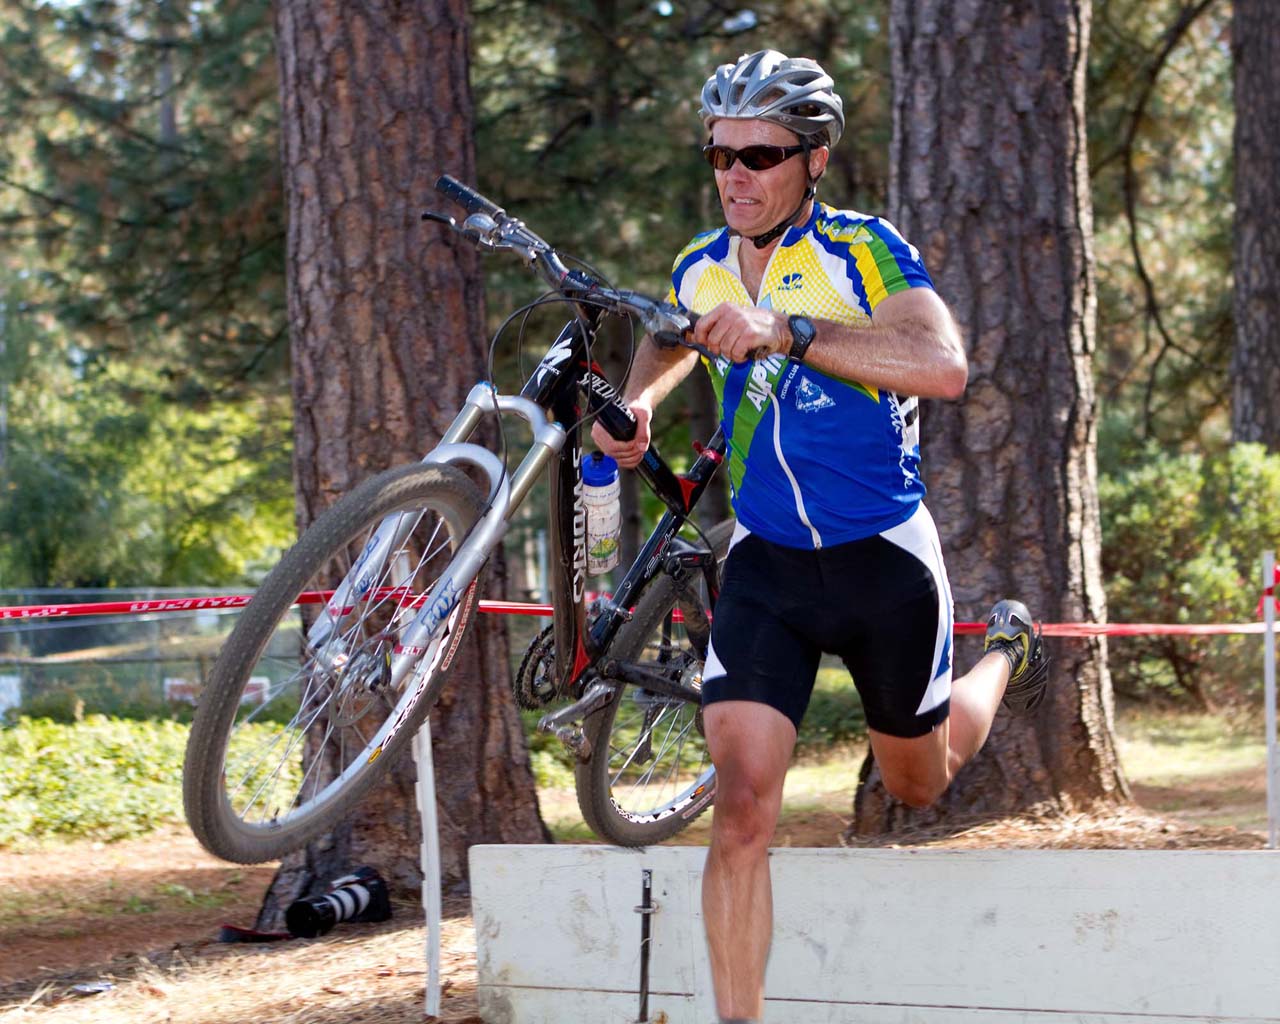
[(468, 197), (490, 227)]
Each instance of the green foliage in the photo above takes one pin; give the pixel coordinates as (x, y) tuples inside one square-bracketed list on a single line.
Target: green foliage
[(551, 760), (835, 714), (1181, 539), (143, 178), (106, 484), (1159, 123), (586, 116), (103, 778), (144, 428), (143, 422)]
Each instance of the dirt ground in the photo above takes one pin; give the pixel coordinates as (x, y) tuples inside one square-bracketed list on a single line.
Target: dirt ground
[(137, 922)]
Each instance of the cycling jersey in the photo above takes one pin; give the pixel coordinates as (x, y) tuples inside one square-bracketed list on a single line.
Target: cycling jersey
[(814, 459)]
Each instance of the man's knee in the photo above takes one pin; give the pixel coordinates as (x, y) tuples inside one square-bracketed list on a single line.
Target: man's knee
[(745, 816), (916, 769), (915, 790)]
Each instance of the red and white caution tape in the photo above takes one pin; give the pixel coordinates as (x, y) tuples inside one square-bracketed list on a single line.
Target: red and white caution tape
[(192, 604)]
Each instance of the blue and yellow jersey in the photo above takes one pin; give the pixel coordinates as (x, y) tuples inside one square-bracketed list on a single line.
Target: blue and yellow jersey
[(814, 459)]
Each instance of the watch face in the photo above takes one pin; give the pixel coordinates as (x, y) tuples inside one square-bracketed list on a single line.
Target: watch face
[(802, 333)]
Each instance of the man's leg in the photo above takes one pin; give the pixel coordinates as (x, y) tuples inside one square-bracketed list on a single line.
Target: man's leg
[(1015, 669), (917, 770), (750, 745)]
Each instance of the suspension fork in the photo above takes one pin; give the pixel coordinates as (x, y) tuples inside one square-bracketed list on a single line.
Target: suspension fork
[(506, 494)]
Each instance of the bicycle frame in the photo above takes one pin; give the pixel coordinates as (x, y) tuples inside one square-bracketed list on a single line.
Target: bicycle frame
[(551, 403)]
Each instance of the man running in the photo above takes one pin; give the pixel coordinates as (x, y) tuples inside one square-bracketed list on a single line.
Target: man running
[(827, 333)]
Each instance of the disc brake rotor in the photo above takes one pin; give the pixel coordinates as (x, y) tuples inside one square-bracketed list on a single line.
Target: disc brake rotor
[(364, 683)]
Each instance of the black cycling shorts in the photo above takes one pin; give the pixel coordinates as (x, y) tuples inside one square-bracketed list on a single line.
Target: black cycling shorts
[(882, 604)]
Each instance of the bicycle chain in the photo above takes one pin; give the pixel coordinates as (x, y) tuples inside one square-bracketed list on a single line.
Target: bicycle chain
[(534, 684)]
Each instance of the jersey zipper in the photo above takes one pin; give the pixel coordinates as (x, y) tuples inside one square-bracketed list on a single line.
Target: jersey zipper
[(795, 484), (801, 511)]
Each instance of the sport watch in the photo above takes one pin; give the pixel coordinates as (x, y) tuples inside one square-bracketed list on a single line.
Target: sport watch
[(802, 335)]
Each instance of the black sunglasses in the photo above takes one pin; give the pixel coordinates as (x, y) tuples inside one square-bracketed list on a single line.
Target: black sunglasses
[(754, 158)]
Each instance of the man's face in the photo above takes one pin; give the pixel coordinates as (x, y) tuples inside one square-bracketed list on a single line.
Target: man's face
[(754, 201)]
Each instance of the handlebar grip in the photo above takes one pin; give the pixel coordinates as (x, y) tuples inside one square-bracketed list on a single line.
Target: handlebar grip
[(468, 197)]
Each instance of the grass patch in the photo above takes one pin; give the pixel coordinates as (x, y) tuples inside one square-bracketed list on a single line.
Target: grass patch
[(106, 900), (813, 779), (1165, 748), (108, 779)]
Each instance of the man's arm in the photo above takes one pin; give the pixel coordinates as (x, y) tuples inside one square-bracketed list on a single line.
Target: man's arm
[(654, 374), (912, 345)]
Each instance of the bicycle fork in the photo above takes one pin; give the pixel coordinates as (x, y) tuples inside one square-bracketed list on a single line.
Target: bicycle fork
[(419, 644)]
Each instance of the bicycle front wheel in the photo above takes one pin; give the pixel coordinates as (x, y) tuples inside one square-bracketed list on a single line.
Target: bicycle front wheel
[(649, 774), (293, 729)]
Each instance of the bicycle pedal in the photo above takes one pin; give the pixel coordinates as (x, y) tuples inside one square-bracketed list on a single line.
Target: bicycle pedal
[(575, 739)]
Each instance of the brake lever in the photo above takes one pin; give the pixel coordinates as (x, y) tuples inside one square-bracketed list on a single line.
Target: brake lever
[(670, 340), (479, 228), (440, 218)]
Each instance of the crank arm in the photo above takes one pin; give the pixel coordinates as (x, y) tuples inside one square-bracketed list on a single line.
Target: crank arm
[(559, 723)]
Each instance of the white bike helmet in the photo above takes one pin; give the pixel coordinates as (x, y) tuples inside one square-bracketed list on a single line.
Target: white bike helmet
[(769, 86)]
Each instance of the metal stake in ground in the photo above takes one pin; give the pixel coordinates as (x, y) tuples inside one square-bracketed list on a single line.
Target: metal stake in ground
[(1269, 692), (646, 910)]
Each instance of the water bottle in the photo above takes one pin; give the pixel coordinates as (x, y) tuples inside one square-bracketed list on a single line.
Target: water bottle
[(600, 490)]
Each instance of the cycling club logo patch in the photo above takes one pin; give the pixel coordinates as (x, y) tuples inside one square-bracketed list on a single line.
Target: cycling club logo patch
[(810, 397), (791, 283)]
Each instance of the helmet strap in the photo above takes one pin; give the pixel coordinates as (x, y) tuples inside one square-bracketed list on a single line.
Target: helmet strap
[(760, 241), (811, 190)]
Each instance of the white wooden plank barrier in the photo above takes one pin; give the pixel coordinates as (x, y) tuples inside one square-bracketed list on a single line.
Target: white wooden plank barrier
[(890, 936)]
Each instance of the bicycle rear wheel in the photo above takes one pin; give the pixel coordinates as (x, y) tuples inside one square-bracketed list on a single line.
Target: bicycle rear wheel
[(289, 734), (649, 774)]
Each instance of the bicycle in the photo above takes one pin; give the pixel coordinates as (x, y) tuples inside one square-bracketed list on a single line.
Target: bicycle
[(366, 611)]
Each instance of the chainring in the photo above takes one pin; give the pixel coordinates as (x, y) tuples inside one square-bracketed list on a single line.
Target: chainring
[(534, 684)]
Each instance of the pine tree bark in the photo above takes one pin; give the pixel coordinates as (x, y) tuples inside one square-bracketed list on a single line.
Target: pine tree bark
[(388, 336), (989, 179), (1255, 366)]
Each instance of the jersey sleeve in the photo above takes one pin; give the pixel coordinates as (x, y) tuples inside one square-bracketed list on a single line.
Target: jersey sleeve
[(886, 263)]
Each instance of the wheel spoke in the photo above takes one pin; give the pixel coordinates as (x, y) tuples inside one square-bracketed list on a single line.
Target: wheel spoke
[(287, 765)]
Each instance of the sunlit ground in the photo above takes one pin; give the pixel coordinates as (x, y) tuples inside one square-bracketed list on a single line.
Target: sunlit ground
[(1203, 767)]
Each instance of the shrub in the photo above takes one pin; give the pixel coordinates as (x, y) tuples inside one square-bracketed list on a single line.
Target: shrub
[(102, 778), (1181, 538)]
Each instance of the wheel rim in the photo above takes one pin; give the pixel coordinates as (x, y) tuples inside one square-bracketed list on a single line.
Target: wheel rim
[(658, 763), (317, 718)]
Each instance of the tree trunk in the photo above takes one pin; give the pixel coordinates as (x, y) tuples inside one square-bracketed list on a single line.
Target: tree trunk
[(1255, 367), (387, 338), (989, 179)]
